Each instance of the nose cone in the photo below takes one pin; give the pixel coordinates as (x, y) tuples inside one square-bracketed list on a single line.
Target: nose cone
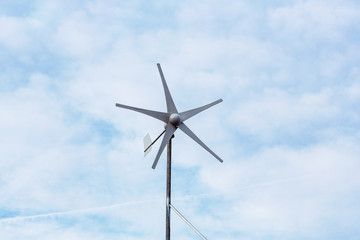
[(175, 119)]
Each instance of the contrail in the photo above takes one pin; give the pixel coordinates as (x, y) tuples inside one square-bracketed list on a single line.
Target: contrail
[(74, 212), (178, 198), (242, 188)]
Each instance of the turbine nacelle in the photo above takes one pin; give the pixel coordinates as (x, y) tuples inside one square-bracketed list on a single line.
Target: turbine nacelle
[(175, 119)]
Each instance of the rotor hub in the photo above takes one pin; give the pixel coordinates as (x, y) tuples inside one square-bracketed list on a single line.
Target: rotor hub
[(175, 119)]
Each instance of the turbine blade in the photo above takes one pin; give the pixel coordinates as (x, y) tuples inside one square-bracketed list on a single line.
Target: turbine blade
[(169, 101), (158, 115), (187, 130), (170, 129), (190, 113)]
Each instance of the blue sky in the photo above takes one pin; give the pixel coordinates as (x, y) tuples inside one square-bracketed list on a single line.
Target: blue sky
[(71, 163)]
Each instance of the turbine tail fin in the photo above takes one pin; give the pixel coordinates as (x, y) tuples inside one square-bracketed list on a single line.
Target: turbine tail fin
[(147, 144)]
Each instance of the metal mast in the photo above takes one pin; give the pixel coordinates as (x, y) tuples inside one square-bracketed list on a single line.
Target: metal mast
[(168, 189)]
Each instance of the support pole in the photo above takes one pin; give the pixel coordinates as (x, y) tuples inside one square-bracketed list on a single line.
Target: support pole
[(168, 189), (187, 222)]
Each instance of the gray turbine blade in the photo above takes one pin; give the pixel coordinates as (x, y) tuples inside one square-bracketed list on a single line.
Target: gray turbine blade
[(170, 129), (190, 113), (187, 130), (158, 115), (169, 101)]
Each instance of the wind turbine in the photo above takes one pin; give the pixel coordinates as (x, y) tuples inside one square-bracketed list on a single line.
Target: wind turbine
[(173, 120)]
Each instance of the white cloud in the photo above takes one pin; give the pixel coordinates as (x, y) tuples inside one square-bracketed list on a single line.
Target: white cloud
[(274, 112), (12, 35), (314, 20), (289, 192), (287, 128)]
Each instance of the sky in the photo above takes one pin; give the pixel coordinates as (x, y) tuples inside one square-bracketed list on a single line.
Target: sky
[(72, 164)]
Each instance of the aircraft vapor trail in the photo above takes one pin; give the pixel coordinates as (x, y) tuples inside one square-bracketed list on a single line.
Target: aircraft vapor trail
[(73, 212), (176, 198)]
